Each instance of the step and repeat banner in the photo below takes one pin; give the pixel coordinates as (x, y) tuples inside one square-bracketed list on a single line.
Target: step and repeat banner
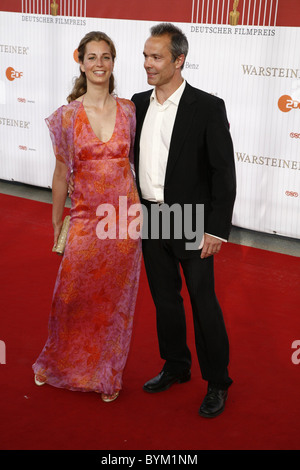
[(237, 52)]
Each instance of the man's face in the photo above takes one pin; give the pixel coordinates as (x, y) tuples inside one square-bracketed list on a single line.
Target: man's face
[(158, 63)]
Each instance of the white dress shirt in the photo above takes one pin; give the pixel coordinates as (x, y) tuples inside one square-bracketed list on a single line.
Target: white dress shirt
[(155, 143)]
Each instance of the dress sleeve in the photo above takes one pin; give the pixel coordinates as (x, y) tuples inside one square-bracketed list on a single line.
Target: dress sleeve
[(61, 126), (129, 109), (132, 122)]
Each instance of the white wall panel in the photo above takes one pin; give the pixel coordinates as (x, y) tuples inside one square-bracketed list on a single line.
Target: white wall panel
[(250, 67)]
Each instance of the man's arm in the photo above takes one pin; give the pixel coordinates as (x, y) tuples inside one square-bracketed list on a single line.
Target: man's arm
[(222, 171)]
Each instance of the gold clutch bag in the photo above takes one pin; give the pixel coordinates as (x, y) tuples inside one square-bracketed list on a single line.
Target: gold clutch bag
[(59, 248)]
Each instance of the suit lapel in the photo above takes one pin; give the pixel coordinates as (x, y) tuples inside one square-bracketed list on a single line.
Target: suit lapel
[(141, 110), (141, 113), (184, 118)]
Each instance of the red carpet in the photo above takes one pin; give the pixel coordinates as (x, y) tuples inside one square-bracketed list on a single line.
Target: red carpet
[(260, 295)]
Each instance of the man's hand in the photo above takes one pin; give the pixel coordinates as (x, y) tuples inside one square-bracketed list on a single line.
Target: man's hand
[(71, 184), (211, 246)]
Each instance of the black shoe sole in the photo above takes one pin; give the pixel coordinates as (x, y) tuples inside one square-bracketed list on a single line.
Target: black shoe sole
[(212, 415), (166, 387)]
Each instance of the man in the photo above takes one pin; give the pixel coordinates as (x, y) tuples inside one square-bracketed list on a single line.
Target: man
[(184, 155)]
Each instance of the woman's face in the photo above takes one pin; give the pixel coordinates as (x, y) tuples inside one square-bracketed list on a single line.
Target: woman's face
[(97, 62)]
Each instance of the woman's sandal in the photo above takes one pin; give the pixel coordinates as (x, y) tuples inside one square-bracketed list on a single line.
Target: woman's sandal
[(108, 398), (37, 381)]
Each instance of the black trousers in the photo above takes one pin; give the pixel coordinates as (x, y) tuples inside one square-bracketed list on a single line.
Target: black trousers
[(164, 277)]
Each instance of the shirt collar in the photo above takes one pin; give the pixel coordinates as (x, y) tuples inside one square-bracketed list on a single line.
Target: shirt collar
[(174, 98)]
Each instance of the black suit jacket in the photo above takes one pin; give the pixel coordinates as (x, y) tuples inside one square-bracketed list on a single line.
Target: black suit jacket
[(200, 167)]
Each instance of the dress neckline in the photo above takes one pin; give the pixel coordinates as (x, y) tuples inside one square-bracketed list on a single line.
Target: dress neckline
[(88, 122)]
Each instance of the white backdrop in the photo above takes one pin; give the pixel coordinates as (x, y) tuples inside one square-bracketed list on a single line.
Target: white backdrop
[(255, 69)]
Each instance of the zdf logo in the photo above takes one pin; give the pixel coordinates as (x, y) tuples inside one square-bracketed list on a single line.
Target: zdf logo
[(11, 74), (286, 103)]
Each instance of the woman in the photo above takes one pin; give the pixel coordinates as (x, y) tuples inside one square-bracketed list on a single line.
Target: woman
[(94, 298)]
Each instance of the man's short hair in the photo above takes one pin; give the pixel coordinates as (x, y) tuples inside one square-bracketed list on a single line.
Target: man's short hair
[(179, 42)]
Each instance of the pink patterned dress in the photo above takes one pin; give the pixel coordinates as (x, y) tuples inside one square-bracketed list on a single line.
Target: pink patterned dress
[(94, 298)]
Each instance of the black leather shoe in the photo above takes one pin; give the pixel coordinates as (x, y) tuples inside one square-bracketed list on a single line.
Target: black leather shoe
[(213, 403), (164, 380)]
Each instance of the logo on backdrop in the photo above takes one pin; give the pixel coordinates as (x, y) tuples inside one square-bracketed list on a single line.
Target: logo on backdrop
[(8, 49), (291, 193), (234, 15), (25, 148), (286, 104), (57, 9), (24, 100), (75, 56), (54, 8), (231, 21), (11, 74), (14, 123), (243, 157), (278, 72), (295, 135)]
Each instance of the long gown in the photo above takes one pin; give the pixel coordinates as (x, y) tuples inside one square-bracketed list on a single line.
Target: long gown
[(91, 318)]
